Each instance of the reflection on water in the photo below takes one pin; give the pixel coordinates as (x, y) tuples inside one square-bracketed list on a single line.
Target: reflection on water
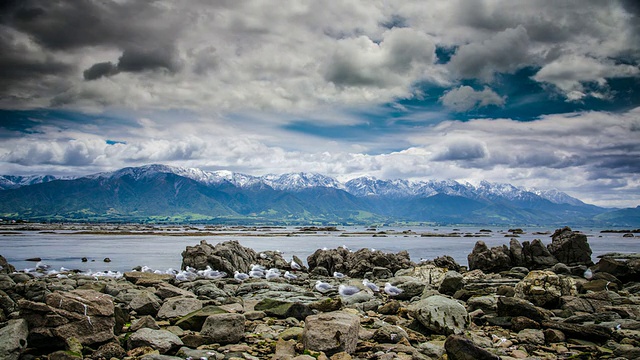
[(63, 249)]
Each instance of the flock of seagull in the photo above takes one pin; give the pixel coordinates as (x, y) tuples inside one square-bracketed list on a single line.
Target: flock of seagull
[(256, 271)]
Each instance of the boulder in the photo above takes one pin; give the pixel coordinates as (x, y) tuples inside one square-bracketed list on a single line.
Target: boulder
[(545, 288), (587, 332), (441, 315), (284, 309), (5, 267), (145, 303), (536, 255), (224, 328), (359, 263), (516, 252), (492, 260), (227, 256), (447, 262), (86, 315), (531, 336), (459, 347), (162, 340), (513, 306), (570, 247), (178, 307), (451, 282), (196, 319), (13, 339), (428, 274), (331, 332)]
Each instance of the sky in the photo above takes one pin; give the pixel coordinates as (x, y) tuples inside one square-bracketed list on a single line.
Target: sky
[(535, 93)]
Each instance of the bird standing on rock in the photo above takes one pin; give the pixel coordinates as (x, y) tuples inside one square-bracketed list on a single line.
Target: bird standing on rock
[(392, 290), (370, 285), (289, 276), (294, 265), (240, 276), (338, 275)]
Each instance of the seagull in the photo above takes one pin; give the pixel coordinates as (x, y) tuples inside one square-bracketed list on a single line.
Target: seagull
[(294, 265), (255, 267), (289, 276), (392, 290), (346, 290), (338, 275), (256, 273), (240, 276), (588, 274), (370, 285), (272, 274), (323, 286)]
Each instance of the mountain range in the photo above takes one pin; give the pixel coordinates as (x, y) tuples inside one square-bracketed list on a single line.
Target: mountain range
[(160, 193)]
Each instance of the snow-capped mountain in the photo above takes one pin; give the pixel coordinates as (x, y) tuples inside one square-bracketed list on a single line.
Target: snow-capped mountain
[(148, 193), (299, 181), (14, 182), (366, 186)]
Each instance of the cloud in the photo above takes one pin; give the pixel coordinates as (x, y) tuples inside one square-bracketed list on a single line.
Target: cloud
[(465, 98), (99, 70), (505, 52), (571, 73), (461, 149)]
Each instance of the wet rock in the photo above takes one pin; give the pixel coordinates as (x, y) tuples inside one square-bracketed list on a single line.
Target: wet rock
[(461, 348), (331, 332), (224, 328), (570, 247), (13, 339), (545, 288), (440, 315), (228, 256), (178, 307), (161, 340)]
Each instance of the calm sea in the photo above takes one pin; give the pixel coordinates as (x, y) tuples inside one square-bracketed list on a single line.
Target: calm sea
[(65, 249)]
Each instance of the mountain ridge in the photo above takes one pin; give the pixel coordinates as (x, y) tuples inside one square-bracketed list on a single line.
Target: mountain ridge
[(159, 192)]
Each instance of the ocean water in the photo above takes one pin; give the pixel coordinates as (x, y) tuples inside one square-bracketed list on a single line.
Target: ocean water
[(66, 249)]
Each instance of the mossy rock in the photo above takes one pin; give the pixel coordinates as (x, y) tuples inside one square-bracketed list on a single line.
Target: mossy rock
[(195, 320)]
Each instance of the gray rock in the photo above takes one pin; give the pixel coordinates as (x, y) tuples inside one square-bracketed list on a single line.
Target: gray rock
[(228, 256), (331, 332), (5, 267), (531, 336), (390, 334), (512, 307), (146, 321), (571, 248), (537, 256), (145, 303), (178, 307), (492, 260), (13, 339), (165, 291), (451, 283), (460, 348), (86, 315), (486, 303), (161, 340), (207, 289), (284, 309), (196, 319), (545, 288), (441, 315), (6, 282), (359, 263), (224, 328)]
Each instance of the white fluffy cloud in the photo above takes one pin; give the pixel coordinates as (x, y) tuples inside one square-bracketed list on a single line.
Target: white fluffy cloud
[(465, 98)]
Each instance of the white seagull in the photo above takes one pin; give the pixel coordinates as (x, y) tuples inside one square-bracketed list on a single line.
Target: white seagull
[(272, 274), (240, 276), (338, 275), (323, 286), (370, 285), (392, 290), (294, 265), (588, 274), (347, 290), (289, 276)]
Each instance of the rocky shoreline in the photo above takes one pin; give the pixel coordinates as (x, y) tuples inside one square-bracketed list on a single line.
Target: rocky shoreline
[(521, 301)]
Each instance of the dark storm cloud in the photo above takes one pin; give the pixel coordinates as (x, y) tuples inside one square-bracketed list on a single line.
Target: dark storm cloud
[(64, 25), (99, 70), (140, 59)]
